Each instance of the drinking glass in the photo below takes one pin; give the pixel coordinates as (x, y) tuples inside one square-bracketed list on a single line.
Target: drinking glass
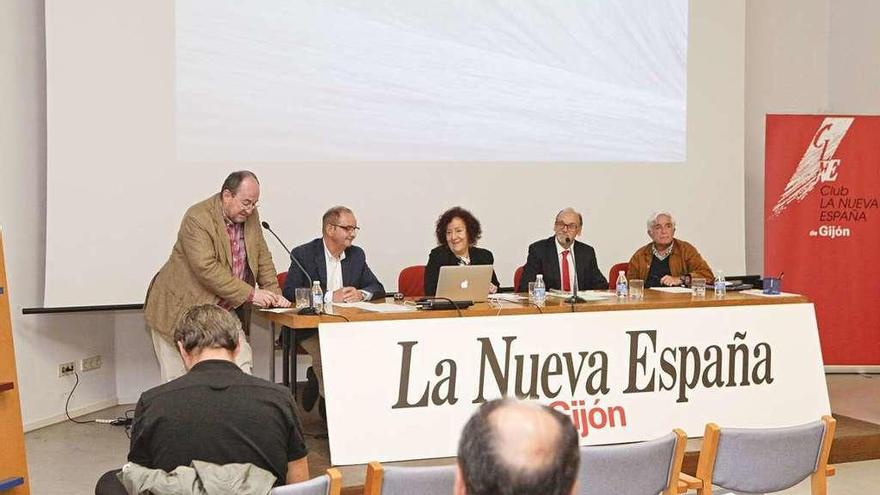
[(772, 285), (302, 296), (637, 289)]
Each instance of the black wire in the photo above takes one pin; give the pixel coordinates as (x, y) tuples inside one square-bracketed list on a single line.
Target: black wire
[(453, 303), (337, 316), (121, 420), (539, 308), (67, 403)]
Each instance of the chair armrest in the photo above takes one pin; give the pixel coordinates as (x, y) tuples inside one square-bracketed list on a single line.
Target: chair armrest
[(687, 482)]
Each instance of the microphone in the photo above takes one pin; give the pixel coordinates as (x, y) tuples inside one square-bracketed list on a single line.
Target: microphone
[(304, 311)]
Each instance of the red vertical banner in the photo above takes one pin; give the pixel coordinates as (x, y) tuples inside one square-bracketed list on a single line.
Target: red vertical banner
[(822, 225)]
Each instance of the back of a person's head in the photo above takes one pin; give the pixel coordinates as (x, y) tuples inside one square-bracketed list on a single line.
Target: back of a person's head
[(207, 326), (510, 447)]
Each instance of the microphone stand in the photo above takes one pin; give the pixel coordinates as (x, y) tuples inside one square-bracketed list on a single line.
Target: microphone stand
[(574, 297), (310, 310)]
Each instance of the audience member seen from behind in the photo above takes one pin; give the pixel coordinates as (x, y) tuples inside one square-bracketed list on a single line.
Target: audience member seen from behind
[(513, 447), (552, 258), (457, 233), (665, 259), (216, 412)]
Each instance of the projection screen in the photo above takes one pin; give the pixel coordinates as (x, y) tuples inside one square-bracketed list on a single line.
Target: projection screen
[(464, 80)]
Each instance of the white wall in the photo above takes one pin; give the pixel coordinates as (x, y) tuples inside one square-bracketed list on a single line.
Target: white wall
[(854, 53), (136, 367), (42, 341), (816, 56)]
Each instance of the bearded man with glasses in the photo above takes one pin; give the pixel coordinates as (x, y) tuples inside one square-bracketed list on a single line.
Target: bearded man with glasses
[(562, 260), (342, 270)]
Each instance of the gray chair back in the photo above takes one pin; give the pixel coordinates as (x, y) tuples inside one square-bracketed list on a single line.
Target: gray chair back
[(314, 486), (434, 480), (633, 469), (768, 459)]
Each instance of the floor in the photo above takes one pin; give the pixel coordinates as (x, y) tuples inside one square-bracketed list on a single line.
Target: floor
[(856, 396), (68, 458), (853, 478)]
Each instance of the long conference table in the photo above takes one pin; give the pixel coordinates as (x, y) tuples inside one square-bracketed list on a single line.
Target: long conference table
[(653, 299), (634, 368)]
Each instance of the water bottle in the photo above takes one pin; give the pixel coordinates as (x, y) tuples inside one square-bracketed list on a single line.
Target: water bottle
[(317, 296), (720, 284), (622, 285), (540, 295)]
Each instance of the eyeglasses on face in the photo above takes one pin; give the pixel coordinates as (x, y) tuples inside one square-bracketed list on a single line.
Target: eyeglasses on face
[(567, 226), (347, 228), (246, 204)]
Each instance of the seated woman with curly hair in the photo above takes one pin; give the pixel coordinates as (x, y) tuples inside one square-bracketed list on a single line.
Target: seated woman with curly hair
[(457, 234)]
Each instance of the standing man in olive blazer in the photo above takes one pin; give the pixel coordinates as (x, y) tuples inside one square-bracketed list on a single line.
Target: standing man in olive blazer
[(220, 257)]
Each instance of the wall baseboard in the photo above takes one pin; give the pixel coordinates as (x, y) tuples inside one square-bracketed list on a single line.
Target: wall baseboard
[(853, 369), (128, 400), (60, 418)]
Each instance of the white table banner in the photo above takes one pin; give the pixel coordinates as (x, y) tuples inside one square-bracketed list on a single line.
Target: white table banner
[(404, 389)]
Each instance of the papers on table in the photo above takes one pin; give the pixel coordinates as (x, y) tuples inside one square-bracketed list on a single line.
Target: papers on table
[(673, 290), (281, 310), (376, 307), (759, 292), (587, 295), (509, 297), (366, 306)]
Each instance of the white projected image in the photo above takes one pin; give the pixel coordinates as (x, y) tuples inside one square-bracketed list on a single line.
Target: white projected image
[(408, 80)]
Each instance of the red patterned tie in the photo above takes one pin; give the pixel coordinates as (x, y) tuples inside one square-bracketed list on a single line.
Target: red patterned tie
[(566, 276)]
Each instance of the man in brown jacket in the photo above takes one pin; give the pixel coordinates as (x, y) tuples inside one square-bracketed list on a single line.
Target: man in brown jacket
[(220, 257), (663, 261)]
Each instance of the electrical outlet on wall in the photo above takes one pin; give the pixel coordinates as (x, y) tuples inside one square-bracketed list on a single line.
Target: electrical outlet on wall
[(65, 369), (90, 363)]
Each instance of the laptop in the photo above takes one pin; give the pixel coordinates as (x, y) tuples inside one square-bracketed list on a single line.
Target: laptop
[(465, 282)]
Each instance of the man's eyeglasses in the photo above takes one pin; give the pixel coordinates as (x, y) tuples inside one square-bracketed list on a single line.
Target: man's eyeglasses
[(567, 226), (347, 228), (246, 204)]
